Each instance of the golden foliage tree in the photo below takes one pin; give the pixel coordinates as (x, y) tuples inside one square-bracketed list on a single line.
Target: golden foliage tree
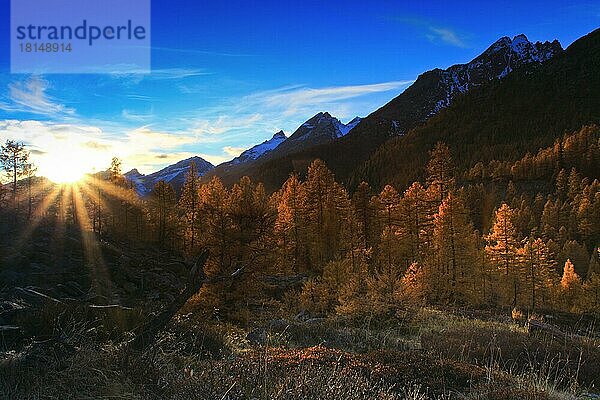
[(190, 209), (570, 287), (501, 249), (455, 248)]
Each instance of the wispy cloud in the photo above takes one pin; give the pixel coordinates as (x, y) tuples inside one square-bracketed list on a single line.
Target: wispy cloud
[(297, 99), (225, 123), (233, 151), (133, 75), (136, 117), (176, 73), (147, 138), (445, 35), (31, 96), (437, 33), (203, 52)]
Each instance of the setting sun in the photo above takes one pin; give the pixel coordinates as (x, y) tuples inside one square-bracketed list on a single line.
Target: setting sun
[(65, 168)]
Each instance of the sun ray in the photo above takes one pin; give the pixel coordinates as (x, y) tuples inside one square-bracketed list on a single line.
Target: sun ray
[(57, 243), (113, 190), (92, 193), (100, 278), (38, 215)]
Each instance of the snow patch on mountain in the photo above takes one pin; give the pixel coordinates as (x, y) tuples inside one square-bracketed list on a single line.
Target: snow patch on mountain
[(172, 174), (499, 60), (259, 150), (344, 129)]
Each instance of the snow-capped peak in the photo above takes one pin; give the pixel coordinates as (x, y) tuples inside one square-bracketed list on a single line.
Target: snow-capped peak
[(173, 174), (323, 126), (260, 149), (496, 62)]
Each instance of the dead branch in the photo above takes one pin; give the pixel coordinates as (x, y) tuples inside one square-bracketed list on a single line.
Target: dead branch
[(110, 306), (35, 296), (151, 328), (536, 326)]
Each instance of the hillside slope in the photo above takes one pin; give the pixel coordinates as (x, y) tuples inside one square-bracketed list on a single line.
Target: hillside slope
[(431, 92), (502, 120)]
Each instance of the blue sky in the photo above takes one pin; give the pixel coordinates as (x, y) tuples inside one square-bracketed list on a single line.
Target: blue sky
[(227, 75)]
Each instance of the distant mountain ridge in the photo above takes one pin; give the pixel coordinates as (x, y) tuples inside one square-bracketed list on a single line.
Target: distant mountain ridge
[(322, 128), (344, 147), (431, 92), (319, 129), (173, 174)]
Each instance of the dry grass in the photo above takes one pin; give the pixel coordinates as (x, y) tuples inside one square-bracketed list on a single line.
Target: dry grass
[(460, 358)]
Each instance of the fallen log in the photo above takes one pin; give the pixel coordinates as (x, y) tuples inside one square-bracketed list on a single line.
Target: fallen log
[(35, 296), (110, 307), (150, 329), (534, 326)]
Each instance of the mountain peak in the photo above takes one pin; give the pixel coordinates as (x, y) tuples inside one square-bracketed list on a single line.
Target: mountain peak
[(173, 174), (279, 135), (521, 36), (319, 118), (259, 150), (134, 173), (322, 127), (497, 61), (521, 49)]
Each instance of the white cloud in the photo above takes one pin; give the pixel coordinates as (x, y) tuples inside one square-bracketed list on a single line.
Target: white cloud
[(93, 147), (225, 123), (436, 33), (445, 35), (146, 138), (136, 117), (135, 76), (53, 146), (294, 99), (233, 151), (30, 96)]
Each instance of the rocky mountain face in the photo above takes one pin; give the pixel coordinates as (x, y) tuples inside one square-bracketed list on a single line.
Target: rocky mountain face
[(344, 147), (436, 89), (321, 128), (500, 59), (431, 92), (503, 119), (173, 174)]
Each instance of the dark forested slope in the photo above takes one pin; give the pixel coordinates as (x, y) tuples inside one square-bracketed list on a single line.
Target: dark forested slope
[(502, 120)]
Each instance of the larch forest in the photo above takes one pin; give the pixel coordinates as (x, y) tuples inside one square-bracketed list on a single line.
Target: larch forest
[(434, 266)]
